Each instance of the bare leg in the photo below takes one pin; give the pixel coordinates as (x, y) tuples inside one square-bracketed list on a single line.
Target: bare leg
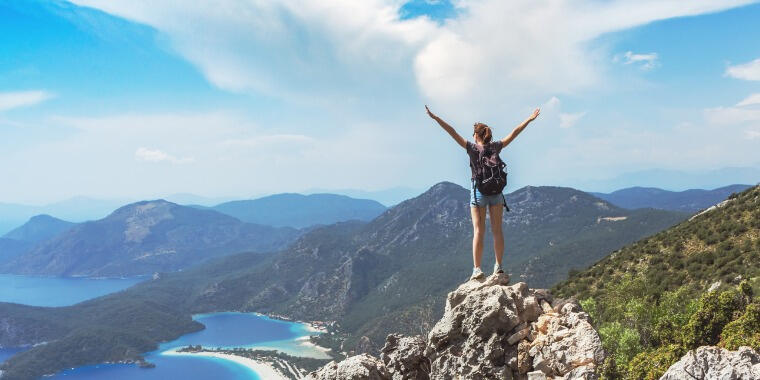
[(479, 230), (496, 211)]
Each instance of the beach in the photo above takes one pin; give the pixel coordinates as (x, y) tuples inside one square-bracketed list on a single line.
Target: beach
[(263, 369)]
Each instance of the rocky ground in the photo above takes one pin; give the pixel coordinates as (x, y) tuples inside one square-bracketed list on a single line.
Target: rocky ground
[(490, 330), (710, 362)]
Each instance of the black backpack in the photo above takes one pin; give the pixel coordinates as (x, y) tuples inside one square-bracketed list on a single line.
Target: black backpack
[(490, 174)]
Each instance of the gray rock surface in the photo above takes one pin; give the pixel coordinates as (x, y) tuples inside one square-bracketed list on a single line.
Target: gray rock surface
[(710, 362), (405, 357), (489, 330), (359, 367)]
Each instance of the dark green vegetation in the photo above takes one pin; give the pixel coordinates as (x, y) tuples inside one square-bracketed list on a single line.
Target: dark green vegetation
[(687, 201), (649, 300), (388, 275), (300, 211), (146, 237)]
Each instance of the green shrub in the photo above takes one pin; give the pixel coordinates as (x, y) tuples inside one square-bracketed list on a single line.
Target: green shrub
[(650, 365), (744, 331), (714, 311), (621, 343)]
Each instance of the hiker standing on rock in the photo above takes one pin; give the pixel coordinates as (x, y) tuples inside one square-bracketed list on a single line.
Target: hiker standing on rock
[(488, 182)]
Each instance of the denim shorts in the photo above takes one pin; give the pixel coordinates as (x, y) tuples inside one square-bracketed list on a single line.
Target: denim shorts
[(479, 200)]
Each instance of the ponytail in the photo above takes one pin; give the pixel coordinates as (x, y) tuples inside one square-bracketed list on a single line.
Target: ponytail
[(484, 132)]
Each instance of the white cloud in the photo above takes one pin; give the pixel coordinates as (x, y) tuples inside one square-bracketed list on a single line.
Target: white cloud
[(751, 100), (551, 104), (155, 155), (286, 48), (752, 134), (567, 120), (361, 49), (648, 61), (499, 49), (746, 71), (731, 115), (11, 100)]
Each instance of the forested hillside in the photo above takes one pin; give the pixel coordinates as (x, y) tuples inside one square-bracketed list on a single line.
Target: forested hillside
[(651, 300)]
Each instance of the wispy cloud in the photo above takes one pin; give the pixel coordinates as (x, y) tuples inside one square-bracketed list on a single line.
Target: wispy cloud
[(646, 61), (11, 100), (567, 120), (155, 155), (752, 134), (746, 71), (752, 100), (269, 140)]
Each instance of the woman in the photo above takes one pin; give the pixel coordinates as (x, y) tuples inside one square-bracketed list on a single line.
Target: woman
[(479, 202)]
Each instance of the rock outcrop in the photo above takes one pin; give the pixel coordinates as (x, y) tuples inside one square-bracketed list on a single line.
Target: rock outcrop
[(359, 367), (491, 330), (709, 362)]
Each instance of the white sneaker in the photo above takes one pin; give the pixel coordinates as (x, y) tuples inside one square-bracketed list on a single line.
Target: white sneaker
[(476, 273), (497, 269)]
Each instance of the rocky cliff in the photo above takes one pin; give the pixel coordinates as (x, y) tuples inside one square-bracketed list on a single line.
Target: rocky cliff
[(490, 330)]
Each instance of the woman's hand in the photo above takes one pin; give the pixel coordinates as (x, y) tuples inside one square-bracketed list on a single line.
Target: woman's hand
[(535, 114), (432, 115)]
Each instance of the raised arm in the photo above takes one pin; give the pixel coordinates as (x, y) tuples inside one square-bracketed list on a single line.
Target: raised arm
[(505, 141), (446, 127)]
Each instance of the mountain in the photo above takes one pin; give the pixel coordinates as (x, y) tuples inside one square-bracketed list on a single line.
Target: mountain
[(373, 278), (187, 199), (77, 209), (675, 179), (39, 228), (11, 248), (388, 197), (693, 285), (146, 237), (299, 211), (687, 201)]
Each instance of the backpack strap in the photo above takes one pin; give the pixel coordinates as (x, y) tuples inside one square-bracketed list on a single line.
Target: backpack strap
[(505, 202)]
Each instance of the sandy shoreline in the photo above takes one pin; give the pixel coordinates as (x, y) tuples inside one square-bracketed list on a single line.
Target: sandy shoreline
[(263, 369)]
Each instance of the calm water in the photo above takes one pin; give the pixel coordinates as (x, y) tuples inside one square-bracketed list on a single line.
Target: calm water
[(222, 330), (58, 291)]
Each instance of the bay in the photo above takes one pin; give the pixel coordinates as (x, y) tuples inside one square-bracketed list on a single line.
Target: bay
[(223, 330), (58, 291)]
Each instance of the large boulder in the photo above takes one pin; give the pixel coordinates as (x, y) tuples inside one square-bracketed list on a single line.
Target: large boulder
[(405, 357), (359, 367), (709, 362), (491, 330)]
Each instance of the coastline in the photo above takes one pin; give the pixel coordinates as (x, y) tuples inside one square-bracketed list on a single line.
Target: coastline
[(263, 369)]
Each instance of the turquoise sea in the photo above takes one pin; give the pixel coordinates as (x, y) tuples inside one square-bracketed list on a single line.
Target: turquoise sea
[(222, 330), (58, 291)]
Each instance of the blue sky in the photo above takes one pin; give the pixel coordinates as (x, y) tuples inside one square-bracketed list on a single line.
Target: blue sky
[(131, 99)]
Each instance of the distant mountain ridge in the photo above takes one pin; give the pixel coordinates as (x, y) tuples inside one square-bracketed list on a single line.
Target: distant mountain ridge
[(146, 237), (687, 201), (299, 211)]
